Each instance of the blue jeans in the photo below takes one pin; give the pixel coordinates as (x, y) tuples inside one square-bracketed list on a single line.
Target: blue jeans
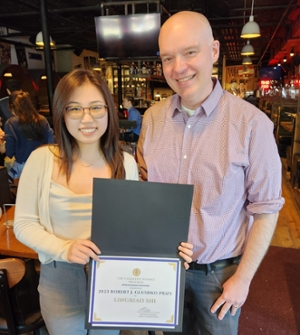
[(62, 291), (201, 291)]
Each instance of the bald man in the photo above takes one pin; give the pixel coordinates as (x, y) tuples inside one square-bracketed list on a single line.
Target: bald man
[(225, 147)]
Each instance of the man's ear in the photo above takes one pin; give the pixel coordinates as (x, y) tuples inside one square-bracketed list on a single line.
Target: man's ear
[(216, 50)]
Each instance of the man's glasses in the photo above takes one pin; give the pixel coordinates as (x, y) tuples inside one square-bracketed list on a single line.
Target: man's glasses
[(77, 112)]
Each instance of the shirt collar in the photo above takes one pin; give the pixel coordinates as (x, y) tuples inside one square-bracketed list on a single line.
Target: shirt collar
[(209, 103)]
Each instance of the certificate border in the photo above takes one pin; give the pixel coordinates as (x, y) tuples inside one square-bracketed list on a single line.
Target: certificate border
[(129, 325)]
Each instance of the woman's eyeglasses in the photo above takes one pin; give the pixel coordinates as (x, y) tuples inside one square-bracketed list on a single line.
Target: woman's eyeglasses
[(77, 112)]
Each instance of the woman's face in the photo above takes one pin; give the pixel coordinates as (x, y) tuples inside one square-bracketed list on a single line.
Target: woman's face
[(86, 130)]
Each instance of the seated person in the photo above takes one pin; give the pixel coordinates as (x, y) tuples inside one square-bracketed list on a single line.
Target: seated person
[(12, 86), (24, 131), (132, 135), (233, 89)]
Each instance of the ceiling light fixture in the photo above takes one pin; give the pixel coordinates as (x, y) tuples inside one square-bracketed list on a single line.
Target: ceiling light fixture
[(247, 61), (247, 50), (292, 52), (39, 41), (97, 67), (251, 28)]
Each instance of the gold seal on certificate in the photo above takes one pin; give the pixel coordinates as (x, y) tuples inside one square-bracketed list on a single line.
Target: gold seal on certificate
[(142, 291)]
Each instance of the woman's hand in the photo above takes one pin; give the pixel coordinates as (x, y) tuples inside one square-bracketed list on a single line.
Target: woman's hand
[(2, 134), (186, 252), (81, 251), (2, 141)]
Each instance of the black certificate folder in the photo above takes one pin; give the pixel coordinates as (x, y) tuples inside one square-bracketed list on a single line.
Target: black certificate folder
[(138, 225), (140, 218)]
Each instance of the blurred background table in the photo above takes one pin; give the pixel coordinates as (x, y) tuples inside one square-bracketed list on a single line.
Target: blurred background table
[(9, 245)]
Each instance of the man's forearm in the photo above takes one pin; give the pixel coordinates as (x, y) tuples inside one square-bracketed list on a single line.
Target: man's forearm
[(259, 239)]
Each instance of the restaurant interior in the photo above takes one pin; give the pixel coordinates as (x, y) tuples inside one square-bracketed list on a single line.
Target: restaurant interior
[(262, 69)]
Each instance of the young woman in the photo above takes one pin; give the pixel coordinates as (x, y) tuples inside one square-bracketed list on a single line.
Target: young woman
[(53, 208), (25, 131)]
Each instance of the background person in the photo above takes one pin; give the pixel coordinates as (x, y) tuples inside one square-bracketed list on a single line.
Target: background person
[(132, 135), (233, 87), (11, 85), (24, 131), (225, 147), (242, 89), (54, 201)]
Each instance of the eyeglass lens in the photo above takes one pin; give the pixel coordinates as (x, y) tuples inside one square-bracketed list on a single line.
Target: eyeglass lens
[(76, 112)]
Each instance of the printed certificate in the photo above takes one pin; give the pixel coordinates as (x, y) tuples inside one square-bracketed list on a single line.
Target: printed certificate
[(139, 282), (134, 292)]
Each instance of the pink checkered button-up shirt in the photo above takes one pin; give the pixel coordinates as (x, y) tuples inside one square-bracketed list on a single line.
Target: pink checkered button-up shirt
[(228, 152)]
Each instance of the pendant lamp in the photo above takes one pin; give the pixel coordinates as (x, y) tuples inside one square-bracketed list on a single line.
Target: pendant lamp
[(39, 41), (292, 53), (247, 61), (251, 28), (247, 50), (97, 66)]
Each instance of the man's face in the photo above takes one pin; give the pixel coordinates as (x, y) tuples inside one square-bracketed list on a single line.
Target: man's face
[(125, 103), (187, 58), (233, 86)]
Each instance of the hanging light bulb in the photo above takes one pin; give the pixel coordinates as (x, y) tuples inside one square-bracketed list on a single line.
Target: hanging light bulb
[(292, 52), (284, 59), (247, 50), (251, 28), (279, 63), (247, 61)]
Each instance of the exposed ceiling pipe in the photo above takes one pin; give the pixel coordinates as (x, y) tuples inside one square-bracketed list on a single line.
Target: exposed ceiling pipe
[(275, 31), (263, 7)]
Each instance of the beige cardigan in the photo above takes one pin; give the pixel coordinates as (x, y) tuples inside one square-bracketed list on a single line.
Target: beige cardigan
[(32, 225)]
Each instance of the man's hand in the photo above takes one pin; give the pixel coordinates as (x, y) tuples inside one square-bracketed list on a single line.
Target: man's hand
[(234, 295)]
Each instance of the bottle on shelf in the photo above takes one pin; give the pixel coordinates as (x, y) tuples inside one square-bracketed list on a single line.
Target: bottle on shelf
[(144, 69), (132, 69), (158, 70), (148, 68), (154, 69)]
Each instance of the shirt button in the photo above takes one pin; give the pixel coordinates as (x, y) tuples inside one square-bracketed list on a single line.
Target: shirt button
[(189, 126), (185, 156)]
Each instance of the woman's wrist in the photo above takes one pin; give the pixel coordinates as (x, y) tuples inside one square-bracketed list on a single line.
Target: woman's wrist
[(2, 147)]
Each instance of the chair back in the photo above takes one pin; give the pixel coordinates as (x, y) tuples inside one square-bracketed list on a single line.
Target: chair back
[(15, 269), (5, 193), (19, 298)]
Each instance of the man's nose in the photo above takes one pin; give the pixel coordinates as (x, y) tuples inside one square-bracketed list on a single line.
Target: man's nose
[(179, 64)]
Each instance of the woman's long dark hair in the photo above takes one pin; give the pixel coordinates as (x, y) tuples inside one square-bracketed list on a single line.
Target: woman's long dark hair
[(30, 123), (109, 141)]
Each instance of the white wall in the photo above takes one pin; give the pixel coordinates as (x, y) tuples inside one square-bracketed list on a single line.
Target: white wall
[(66, 60)]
